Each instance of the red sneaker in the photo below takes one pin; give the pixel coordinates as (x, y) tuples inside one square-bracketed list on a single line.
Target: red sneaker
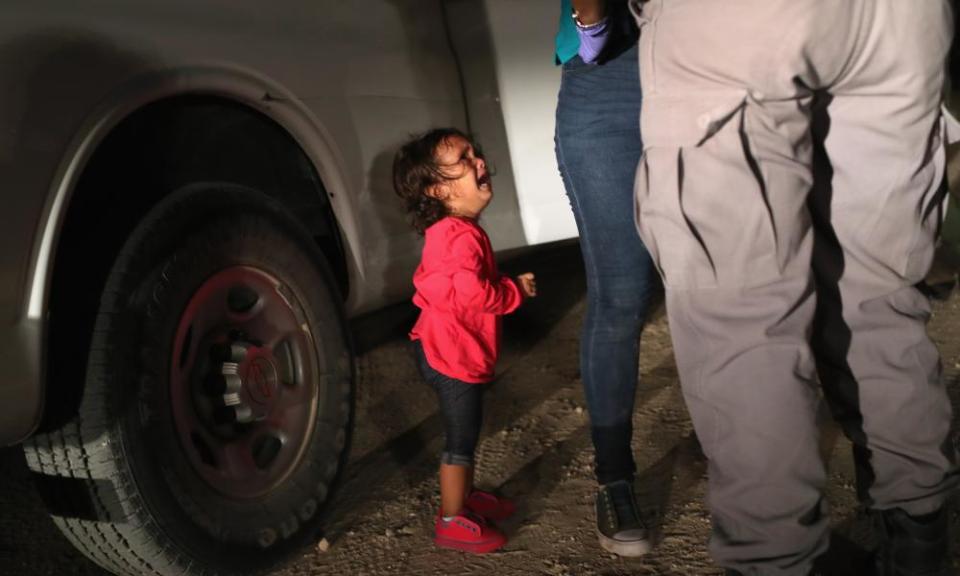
[(469, 533), (490, 506)]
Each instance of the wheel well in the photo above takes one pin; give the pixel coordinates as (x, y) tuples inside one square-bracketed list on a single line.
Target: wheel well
[(152, 153)]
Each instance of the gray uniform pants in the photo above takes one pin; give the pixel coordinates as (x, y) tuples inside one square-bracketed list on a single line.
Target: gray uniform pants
[(790, 193)]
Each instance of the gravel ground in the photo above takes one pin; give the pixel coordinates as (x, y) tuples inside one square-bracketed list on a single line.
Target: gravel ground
[(535, 448)]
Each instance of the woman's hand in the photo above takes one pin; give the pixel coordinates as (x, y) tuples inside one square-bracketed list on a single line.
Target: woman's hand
[(528, 285)]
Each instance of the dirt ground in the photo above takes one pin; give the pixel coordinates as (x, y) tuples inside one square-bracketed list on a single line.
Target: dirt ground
[(535, 448)]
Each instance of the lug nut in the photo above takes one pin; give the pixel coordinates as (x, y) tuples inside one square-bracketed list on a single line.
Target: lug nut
[(243, 413), (231, 399)]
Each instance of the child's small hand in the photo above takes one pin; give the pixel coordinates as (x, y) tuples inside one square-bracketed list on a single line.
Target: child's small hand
[(528, 285)]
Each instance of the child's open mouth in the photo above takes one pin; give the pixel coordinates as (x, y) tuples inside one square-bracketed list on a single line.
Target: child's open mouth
[(483, 181)]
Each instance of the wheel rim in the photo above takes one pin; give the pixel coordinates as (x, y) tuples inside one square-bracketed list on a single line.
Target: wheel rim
[(244, 382)]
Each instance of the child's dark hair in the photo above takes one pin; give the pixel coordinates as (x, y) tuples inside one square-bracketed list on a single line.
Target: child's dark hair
[(415, 170)]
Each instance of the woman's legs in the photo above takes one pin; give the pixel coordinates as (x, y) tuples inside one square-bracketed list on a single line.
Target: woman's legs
[(598, 147)]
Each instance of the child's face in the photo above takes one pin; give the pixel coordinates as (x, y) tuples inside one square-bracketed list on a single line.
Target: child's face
[(467, 190)]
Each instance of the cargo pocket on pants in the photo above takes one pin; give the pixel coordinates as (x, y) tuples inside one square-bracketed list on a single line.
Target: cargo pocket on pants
[(702, 199)]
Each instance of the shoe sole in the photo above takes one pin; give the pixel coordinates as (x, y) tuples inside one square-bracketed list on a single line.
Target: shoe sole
[(620, 548), (476, 548)]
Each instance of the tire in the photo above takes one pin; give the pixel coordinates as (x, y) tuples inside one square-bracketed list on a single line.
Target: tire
[(218, 400)]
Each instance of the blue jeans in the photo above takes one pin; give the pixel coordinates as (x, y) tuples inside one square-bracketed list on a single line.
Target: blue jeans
[(461, 407), (598, 147)]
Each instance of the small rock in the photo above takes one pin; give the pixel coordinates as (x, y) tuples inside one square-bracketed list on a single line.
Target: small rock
[(578, 410), (323, 545), (389, 533)]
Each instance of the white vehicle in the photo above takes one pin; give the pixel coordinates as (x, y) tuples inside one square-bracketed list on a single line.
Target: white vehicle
[(197, 194)]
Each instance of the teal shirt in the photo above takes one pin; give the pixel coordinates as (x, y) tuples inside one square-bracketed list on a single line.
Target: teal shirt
[(568, 41)]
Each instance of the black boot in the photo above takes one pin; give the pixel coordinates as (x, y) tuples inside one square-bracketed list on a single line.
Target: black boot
[(913, 545)]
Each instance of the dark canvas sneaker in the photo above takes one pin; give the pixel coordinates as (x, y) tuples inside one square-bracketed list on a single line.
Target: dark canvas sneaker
[(490, 506), (467, 532), (619, 526)]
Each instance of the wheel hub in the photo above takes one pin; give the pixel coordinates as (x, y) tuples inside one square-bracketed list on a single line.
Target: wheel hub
[(261, 381), (244, 382)]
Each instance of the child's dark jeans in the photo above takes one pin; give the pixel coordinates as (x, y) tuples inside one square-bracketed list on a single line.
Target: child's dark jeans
[(461, 406)]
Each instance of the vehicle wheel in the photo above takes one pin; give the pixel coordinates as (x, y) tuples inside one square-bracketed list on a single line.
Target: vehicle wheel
[(218, 398)]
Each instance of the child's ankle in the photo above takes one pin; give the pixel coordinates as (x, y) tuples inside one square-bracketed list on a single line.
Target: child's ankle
[(447, 515)]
